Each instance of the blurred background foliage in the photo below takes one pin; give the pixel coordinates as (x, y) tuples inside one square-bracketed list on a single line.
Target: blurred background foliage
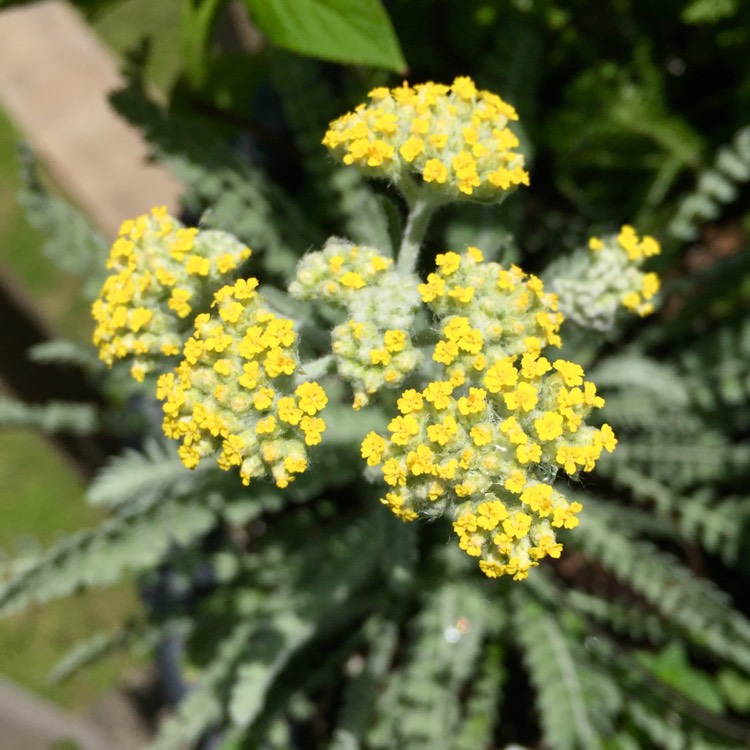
[(630, 111)]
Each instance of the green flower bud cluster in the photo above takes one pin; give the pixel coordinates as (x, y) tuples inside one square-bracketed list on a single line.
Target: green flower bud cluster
[(160, 271), (484, 442), (454, 140), (602, 281), (235, 391), (373, 347)]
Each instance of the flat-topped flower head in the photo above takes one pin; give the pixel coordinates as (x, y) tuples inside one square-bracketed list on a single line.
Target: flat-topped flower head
[(608, 278), (487, 312), (160, 270), (235, 393), (337, 272), (483, 442), (454, 140)]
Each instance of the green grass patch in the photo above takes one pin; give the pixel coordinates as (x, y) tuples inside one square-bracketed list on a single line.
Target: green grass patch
[(20, 245), (42, 498), (32, 504), (34, 640)]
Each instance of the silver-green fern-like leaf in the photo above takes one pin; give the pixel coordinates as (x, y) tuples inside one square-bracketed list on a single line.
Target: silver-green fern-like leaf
[(71, 242), (203, 708), (99, 557), (52, 417), (577, 703), (362, 690), (139, 478), (693, 606), (420, 706), (717, 186)]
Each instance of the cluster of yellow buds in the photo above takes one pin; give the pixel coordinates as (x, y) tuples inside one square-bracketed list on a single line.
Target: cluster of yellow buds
[(509, 312), (337, 272), (160, 271), (484, 442), (599, 283), (454, 140), (235, 391), (373, 347)]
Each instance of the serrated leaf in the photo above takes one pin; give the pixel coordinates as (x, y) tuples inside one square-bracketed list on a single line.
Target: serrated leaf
[(141, 477), (62, 351), (202, 708), (52, 417), (576, 702), (90, 650), (630, 370), (272, 646), (196, 27), (99, 557), (356, 32)]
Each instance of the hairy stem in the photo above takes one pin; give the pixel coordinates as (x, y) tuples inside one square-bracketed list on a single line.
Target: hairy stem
[(315, 368), (420, 212)]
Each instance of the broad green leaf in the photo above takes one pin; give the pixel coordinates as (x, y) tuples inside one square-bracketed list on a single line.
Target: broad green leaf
[(357, 32)]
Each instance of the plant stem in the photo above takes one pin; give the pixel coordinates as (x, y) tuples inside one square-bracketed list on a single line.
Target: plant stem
[(315, 368), (420, 212)]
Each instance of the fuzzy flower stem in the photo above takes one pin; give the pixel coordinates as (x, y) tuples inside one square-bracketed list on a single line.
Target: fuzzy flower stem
[(315, 368), (420, 213)]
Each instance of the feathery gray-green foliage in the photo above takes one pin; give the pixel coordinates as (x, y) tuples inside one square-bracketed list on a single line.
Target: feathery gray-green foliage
[(577, 702), (71, 242), (54, 416), (716, 187)]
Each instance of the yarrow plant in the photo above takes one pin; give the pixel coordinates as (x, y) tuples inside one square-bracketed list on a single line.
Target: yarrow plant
[(357, 490), (484, 417)]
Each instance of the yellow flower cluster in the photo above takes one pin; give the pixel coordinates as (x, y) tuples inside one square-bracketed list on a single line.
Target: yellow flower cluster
[(607, 278), (337, 272), (455, 139), (373, 347), (160, 270), (235, 392), (487, 312), (484, 442)]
